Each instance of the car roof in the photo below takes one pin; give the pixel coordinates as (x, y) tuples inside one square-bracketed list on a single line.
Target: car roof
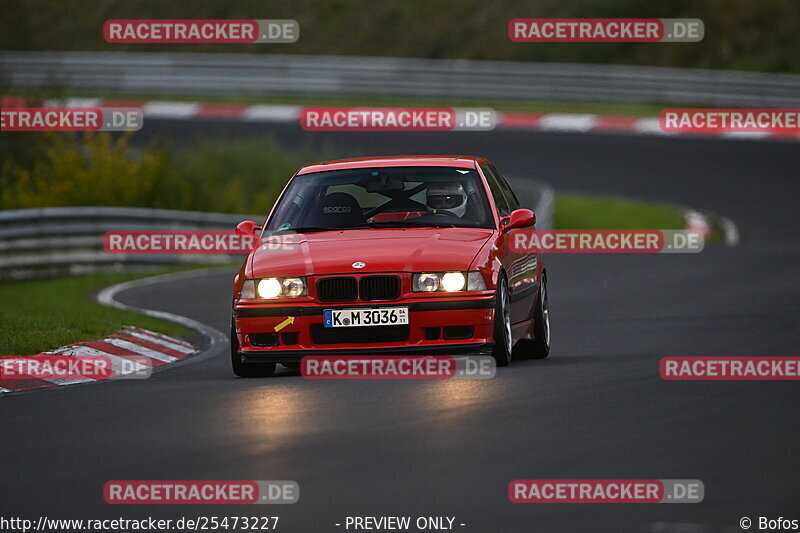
[(457, 161)]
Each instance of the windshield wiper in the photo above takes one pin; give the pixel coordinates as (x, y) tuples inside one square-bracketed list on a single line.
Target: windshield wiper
[(404, 224), (387, 224), (311, 229)]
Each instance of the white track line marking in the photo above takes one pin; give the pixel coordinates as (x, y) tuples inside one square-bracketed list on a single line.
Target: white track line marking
[(272, 113), (567, 122), (118, 362), (177, 347), (159, 335), (72, 381), (746, 134), (731, 232), (697, 221), (650, 125), (74, 102), (141, 350), (158, 109)]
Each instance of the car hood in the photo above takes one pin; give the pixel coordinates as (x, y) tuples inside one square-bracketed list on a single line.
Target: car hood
[(383, 250)]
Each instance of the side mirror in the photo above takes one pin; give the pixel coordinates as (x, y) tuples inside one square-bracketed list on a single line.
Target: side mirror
[(520, 218), (248, 228)]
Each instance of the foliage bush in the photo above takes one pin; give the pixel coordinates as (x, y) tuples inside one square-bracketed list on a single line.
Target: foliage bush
[(740, 34), (66, 169)]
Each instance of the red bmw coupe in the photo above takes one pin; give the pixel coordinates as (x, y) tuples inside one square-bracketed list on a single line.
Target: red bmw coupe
[(389, 255)]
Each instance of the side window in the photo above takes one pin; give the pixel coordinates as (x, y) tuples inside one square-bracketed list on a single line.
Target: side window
[(512, 198), (497, 191)]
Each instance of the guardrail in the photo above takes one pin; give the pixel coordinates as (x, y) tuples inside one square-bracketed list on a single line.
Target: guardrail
[(57, 241), (69, 240), (262, 74)]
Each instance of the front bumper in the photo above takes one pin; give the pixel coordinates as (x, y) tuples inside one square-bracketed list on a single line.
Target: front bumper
[(295, 330), (293, 356)]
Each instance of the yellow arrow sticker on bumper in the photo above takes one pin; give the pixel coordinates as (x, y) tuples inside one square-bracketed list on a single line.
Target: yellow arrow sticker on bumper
[(289, 320)]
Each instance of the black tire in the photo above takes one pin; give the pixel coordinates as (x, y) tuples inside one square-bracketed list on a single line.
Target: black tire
[(502, 324), (248, 370), (539, 346)]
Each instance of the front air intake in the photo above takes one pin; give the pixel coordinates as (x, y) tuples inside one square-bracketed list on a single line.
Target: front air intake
[(337, 289), (380, 287)]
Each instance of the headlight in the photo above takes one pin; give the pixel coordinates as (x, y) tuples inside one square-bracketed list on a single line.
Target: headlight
[(475, 281), (293, 287), (448, 282), (453, 281), (427, 282), (270, 288), (248, 289)]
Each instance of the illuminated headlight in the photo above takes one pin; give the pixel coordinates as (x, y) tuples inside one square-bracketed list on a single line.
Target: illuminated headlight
[(270, 288), (453, 281), (448, 282)]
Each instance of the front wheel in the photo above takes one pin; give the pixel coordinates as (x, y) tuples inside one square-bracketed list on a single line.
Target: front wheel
[(247, 370), (539, 346), (502, 324)]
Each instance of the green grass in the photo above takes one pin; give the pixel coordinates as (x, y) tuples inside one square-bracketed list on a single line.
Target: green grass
[(45, 314), (581, 211)]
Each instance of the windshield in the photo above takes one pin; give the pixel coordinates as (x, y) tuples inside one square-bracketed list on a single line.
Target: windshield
[(394, 197)]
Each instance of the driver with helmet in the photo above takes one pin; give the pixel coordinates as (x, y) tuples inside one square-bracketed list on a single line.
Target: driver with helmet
[(448, 196)]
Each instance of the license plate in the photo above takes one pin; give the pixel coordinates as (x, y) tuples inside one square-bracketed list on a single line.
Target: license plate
[(380, 316)]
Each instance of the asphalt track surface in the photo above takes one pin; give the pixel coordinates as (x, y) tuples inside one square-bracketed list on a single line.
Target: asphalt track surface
[(595, 409)]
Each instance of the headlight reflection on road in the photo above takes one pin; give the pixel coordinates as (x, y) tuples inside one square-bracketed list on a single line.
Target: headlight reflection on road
[(447, 409), (270, 418), (453, 397)]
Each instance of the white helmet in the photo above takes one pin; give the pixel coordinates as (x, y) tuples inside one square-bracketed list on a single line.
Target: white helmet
[(449, 196)]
